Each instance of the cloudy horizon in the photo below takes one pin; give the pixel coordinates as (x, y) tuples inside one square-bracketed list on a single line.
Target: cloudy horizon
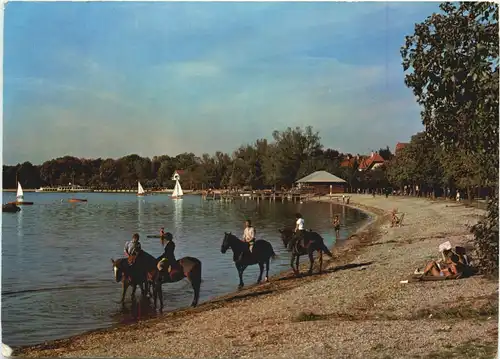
[(108, 79)]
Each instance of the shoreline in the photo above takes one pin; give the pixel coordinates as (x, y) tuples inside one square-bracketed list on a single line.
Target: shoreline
[(367, 227), (358, 288)]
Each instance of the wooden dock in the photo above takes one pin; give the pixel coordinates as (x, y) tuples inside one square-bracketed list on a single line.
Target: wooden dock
[(257, 196)]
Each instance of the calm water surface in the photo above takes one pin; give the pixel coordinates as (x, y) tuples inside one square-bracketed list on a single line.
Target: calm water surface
[(57, 277)]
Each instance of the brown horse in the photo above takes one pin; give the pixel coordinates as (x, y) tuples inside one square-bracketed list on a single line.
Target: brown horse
[(311, 243), (129, 276), (187, 267)]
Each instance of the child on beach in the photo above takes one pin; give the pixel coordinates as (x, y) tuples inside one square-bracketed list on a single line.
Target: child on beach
[(336, 226)]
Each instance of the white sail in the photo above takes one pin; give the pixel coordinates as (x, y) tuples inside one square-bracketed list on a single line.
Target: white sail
[(140, 190), (177, 190), (20, 194)]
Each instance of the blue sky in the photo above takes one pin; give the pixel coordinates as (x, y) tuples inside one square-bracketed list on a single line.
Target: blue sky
[(110, 79)]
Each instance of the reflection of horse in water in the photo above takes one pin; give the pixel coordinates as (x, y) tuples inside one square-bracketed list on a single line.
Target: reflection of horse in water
[(261, 254), (141, 270)]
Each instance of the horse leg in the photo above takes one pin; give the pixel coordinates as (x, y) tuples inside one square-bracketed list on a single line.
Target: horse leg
[(311, 261), (134, 288), (267, 271), (297, 264), (320, 252), (159, 293), (261, 267), (240, 273), (292, 260), (124, 290)]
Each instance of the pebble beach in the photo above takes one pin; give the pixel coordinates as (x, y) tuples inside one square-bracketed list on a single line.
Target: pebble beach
[(358, 308)]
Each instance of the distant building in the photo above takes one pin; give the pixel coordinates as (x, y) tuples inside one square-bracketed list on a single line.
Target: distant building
[(399, 147), (349, 161), (177, 175), (371, 162), (323, 182)]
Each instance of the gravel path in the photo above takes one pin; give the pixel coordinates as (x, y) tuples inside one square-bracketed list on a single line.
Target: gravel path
[(358, 309)]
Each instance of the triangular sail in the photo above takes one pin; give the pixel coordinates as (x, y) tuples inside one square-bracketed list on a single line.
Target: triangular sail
[(20, 194), (177, 190), (140, 190)]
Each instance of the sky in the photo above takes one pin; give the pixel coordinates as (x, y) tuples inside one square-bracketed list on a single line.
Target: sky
[(107, 79)]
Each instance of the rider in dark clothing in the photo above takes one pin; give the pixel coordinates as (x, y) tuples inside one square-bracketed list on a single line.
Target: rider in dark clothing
[(168, 257)]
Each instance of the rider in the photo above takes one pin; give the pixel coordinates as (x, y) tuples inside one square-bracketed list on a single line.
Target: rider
[(298, 231), (249, 235), (133, 247), (167, 259), (162, 232)]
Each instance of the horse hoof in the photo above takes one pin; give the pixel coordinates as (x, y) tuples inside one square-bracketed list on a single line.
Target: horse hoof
[(266, 280), (240, 286)]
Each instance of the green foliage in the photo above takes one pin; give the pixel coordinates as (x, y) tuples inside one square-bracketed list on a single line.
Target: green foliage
[(294, 153), (452, 67)]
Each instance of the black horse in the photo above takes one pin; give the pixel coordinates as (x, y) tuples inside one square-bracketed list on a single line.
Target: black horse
[(311, 243), (262, 252), (187, 267)]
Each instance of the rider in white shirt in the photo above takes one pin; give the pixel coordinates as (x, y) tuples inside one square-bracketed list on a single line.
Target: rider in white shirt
[(299, 230)]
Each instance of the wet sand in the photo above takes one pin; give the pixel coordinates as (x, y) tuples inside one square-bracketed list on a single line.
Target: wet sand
[(358, 308)]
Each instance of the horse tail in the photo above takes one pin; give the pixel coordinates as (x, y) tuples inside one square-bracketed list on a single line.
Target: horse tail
[(326, 250)]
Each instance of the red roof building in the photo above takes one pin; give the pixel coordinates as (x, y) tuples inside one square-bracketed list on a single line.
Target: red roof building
[(372, 162), (399, 147)]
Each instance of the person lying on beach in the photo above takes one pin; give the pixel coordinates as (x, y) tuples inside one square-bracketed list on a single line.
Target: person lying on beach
[(452, 267)]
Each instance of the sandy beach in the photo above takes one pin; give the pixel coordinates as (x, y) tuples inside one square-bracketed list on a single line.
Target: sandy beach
[(357, 309)]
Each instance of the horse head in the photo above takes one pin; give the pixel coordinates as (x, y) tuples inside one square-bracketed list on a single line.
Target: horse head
[(286, 235), (226, 242), (117, 269)]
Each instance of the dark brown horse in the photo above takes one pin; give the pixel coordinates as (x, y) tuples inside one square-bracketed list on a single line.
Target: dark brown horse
[(187, 267), (129, 275), (262, 252), (311, 243)]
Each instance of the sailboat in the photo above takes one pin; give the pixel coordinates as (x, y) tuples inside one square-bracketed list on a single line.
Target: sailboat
[(177, 194), (20, 196), (140, 190)]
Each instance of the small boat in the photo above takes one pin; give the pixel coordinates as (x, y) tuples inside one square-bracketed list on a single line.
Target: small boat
[(73, 200), (10, 208), (20, 197), (178, 193), (140, 190)]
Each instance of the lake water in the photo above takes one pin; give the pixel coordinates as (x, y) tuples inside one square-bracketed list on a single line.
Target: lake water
[(57, 277)]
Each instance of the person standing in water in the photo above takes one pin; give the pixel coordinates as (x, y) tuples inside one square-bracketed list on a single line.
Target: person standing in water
[(336, 226)]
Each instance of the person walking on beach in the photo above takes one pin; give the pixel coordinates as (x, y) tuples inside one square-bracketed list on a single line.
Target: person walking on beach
[(336, 226), (299, 231)]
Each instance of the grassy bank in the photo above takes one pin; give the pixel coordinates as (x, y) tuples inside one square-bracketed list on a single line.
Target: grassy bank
[(357, 309)]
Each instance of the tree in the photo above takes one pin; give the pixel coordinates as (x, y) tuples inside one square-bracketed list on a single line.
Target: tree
[(452, 67)]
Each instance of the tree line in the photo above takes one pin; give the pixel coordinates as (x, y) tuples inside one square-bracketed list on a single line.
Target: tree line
[(293, 153)]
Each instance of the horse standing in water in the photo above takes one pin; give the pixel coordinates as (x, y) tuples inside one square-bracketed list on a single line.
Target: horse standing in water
[(144, 272), (261, 254), (187, 267), (311, 243)]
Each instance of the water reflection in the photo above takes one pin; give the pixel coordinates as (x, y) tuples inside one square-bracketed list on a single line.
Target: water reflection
[(20, 214), (140, 213), (178, 217)]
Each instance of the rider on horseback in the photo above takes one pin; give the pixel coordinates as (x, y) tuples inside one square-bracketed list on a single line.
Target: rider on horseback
[(132, 248), (299, 231), (248, 237), (167, 259)]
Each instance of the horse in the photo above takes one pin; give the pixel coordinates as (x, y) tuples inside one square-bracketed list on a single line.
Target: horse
[(315, 243), (261, 254), (187, 267), (129, 276)]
